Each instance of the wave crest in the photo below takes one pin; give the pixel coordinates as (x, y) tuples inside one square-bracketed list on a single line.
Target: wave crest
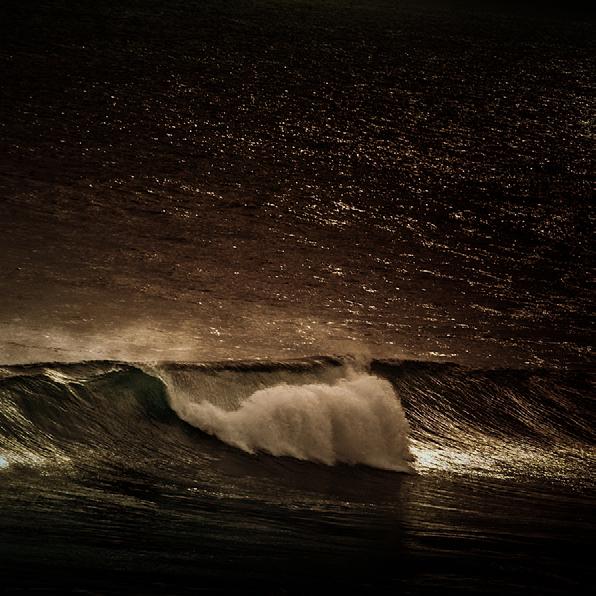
[(357, 420)]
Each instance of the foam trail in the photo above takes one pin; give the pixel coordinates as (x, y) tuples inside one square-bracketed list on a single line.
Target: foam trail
[(357, 421)]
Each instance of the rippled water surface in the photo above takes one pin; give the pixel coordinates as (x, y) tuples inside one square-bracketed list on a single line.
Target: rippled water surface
[(206, 195), (194, 180)]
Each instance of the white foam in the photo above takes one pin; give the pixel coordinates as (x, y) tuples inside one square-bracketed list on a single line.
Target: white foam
[(358, 420)]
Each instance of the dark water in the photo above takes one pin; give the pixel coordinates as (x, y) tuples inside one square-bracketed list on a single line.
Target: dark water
[(235, 184), (105, 488), (200, 180)]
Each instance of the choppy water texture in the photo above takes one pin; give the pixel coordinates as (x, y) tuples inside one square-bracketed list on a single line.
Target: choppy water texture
[(205, 180), (232, 188)]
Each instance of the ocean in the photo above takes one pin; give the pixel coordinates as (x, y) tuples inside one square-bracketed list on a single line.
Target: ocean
[(296, 297)]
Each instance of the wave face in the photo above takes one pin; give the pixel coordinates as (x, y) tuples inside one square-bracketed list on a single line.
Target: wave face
[(390, 415), (504, 422), (83, 413)]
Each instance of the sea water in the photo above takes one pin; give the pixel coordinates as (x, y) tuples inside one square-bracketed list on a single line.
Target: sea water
[(201, 198)]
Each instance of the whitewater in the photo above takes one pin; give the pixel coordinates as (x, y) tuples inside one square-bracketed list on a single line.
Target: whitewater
[(358, 420)]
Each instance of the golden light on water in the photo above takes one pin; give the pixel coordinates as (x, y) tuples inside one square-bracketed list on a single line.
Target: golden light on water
[(499, 460)]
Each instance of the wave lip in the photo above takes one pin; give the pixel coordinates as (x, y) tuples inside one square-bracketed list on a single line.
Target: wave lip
[(356, 420)]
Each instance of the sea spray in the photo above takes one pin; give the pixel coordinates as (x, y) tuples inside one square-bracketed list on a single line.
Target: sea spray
[(357, 420)]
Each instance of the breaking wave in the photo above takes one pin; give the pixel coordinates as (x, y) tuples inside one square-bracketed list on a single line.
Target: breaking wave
[(392, 415), (357, 420)]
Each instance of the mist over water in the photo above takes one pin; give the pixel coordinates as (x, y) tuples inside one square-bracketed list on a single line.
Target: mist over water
[(296, 297)]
